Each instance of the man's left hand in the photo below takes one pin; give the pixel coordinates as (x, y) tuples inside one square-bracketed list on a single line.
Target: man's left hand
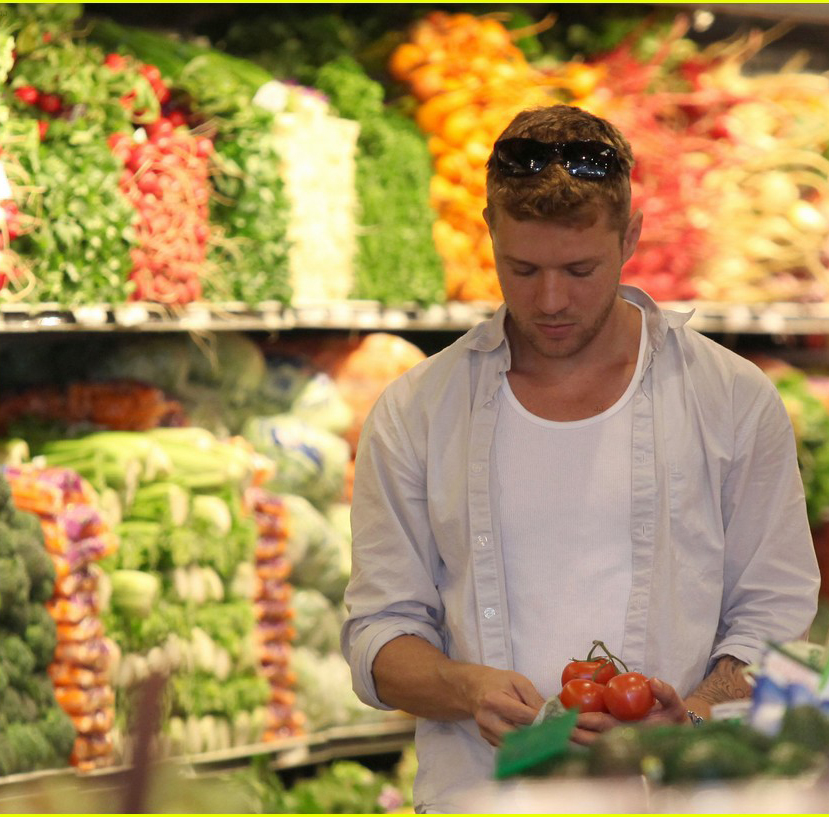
[(668, 708)]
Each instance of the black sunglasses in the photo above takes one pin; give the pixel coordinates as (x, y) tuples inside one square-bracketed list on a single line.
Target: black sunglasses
[(582, 159)]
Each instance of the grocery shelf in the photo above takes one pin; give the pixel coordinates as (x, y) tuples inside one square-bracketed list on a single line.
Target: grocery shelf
[(710, 317), (336, 743)]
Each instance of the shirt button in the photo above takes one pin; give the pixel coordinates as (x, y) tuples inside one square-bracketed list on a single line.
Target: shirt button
[(482, 541), (477, 468), (489, 612)]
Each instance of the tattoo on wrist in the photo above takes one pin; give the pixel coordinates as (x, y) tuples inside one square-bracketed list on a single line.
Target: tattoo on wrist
[(725, 683)]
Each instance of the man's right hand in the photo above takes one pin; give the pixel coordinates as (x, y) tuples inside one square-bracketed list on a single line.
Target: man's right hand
[(500, 700), (412, 675)]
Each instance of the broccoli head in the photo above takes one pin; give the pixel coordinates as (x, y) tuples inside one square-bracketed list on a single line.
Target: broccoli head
[(17, 658), (14, 591), (17, 707), (41, 635), (30, 746), (59, 731), (5, 495), (40, 689), (8, 756), (39, 566), (8, 541), (25, 521)]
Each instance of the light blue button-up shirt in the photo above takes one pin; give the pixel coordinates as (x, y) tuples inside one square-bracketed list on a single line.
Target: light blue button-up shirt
[(723, 559)]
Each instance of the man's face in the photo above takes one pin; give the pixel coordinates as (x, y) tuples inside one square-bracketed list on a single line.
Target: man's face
[(560, 283)]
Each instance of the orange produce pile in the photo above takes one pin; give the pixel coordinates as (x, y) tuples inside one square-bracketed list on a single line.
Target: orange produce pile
[(470, 79)]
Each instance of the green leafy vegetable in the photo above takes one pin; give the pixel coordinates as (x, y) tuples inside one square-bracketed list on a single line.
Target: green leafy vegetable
[(397, 260)]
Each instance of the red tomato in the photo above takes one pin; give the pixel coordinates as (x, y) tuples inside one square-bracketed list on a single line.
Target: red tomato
[(584, 695), (601, 671), (628, 696), (42, 128), (28, 94)]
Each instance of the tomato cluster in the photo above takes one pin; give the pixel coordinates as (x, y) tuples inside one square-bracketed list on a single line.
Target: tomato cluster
[(596, 685)]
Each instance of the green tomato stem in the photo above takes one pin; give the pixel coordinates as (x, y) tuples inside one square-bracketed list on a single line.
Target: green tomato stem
[(614, 659)]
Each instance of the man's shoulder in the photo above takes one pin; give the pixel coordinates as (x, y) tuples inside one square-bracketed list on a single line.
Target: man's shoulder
[(715, 363), (447, 368)]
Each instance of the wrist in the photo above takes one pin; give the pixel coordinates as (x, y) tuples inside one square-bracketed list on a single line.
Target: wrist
[(458, 678), (700, 707)]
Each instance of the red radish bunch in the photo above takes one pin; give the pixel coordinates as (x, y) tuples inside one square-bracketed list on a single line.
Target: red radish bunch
[(166, 179), (118, 63), (9, 223), (50, 104)]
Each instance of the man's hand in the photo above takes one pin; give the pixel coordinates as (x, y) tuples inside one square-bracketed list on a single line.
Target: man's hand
[(500, 701), (412, 675), (668, 708)]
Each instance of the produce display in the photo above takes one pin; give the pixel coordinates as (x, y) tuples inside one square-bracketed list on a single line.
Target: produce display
[(730, 169), (180, 503), (233, 551), (328, 158), (69, 640), (179, 601), (35, 731), (274, 608)]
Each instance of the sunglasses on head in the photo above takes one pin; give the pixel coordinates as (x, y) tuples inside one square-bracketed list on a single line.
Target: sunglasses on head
[(526, 157)]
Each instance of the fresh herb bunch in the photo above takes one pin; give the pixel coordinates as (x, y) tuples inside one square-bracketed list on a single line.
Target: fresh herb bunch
[(81, 253), (251, 209), (397, 260)]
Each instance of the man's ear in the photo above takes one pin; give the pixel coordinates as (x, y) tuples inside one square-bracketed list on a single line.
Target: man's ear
[(632, 234), (485, 214)]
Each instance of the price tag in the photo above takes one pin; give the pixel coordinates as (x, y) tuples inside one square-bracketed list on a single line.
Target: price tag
[(5, 187)]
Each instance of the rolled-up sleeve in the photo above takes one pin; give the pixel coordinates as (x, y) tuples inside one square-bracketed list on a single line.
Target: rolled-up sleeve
[(393, 586), (771, 577)]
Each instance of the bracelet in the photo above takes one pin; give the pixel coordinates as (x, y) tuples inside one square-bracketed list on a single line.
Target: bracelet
[(696, 720)]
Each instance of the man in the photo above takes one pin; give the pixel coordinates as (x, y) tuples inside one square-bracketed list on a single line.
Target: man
[(581, 466)]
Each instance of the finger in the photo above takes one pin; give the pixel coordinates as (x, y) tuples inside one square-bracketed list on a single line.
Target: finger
[(667, 696), (493, 728), (528, 693), (511, 709), (584, 737), (596, 721)]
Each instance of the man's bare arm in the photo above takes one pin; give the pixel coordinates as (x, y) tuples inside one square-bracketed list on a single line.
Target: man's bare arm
[(726, 682), (412, 675)]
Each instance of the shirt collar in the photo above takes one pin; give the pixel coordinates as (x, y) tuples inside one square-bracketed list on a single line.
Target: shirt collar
[(488, 335)]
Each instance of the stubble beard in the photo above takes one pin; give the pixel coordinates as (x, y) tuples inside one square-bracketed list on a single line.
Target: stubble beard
[(555, 349)]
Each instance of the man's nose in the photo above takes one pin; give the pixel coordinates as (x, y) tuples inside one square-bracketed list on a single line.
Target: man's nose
[(552, 294)]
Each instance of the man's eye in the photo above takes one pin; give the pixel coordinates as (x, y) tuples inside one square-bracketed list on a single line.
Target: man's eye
[(581, 272), (523, 271)]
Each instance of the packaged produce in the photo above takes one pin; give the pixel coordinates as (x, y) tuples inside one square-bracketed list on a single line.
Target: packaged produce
[(42, 689)]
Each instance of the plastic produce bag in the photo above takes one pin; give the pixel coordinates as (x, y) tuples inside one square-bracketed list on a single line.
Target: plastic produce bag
[(324, 691), (317, 621), (310, 461), (320, 556)]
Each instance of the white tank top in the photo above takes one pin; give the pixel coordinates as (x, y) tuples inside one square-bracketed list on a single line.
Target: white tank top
[(565, 499)]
